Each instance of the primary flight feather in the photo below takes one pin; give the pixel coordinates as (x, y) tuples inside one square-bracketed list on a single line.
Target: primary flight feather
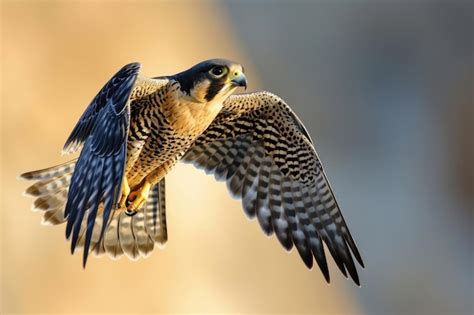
[(112, 198)]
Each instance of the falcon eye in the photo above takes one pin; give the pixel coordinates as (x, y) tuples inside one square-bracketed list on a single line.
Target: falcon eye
[(218, 71)]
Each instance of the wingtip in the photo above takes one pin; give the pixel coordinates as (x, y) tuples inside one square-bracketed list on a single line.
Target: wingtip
[(26, 194), (357, 255), (69, 148), (24, 176), (73, 248), (68, 231), (84, 261), (327, 278), (133, 66), (32, 191), (356, 280), (308, 260), (324, 270), (359, 259), (84, 257)]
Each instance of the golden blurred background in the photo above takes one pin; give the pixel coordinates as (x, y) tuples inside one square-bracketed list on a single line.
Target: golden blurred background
[(385, 88)]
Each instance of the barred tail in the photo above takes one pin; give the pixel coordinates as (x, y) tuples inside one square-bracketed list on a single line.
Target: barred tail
[(133, 236), (51, 190)]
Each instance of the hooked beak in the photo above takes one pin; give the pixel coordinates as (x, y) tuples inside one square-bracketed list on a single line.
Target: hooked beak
[(239, 80)]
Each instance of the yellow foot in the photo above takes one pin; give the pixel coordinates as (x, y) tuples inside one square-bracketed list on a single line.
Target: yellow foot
[(136, 199), (125, 192)]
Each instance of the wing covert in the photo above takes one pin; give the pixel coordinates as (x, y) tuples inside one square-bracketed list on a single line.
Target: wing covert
[(267, 158)]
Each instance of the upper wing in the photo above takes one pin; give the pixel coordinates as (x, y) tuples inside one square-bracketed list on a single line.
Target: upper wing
[(264, 153), (97, 177), (117, 90)]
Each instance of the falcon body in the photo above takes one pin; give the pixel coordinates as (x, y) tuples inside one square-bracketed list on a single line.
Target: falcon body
[(167, 117), (112, 198)]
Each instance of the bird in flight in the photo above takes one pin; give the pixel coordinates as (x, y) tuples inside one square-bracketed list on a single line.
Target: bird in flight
[(112, 198)]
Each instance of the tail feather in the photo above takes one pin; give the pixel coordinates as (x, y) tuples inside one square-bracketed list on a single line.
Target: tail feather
[(144, 243), (50, 172), (133, 237), (48, 186), (126, 237), (53, 217), (155, 214), (111, 238), (55, 200)]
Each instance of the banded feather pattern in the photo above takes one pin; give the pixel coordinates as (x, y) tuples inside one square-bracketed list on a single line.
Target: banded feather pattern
[(146, 228), (267, 158)]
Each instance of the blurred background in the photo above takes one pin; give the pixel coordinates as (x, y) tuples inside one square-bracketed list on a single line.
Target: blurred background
[(385, 89)]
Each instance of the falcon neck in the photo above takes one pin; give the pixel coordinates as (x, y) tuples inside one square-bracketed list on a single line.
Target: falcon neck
[(189, 117)]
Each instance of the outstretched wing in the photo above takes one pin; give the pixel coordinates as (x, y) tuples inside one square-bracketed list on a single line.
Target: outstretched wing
[(97, 177), (264, 153)]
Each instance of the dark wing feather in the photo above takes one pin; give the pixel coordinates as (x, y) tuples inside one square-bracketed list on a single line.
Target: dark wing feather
[(115, 88), (266, 156), (99, 170)]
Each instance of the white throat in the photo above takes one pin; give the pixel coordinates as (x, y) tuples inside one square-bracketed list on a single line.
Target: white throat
[(189, 115)]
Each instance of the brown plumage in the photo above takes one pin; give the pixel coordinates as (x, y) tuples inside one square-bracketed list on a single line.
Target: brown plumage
[(136, 130)]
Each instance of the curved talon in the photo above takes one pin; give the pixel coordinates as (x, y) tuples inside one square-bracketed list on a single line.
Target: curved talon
[(125, 192), (136, 199), (130, 213), (129, 200)]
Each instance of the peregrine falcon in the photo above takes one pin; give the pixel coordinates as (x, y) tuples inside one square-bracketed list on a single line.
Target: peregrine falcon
[(112, 198)]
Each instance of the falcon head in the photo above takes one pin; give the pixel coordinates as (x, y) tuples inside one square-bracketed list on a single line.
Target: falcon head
[(211, 80)]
